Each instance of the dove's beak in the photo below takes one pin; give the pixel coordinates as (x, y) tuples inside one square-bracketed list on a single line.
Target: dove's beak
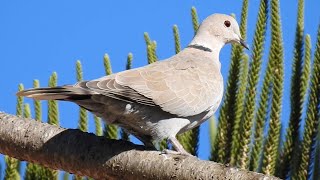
[(244, 44)]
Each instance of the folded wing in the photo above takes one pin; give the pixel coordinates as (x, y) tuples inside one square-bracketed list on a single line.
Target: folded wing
[(183, 89)]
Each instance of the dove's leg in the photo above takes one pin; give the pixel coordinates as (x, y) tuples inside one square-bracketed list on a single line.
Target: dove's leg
[(177, 146)]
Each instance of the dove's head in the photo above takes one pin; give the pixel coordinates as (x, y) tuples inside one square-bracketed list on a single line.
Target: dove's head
[(219, 28)]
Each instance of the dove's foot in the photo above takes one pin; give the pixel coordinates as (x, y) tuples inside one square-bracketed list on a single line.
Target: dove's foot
[(177, 146), (168, 151)]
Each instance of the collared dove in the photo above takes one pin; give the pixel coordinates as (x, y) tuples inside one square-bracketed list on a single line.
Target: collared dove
[(164, 98)]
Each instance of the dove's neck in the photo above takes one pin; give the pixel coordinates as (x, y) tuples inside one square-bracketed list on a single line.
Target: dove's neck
[(213, 45)]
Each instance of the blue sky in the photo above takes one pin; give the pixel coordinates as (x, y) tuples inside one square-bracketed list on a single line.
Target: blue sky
[(39, 37)]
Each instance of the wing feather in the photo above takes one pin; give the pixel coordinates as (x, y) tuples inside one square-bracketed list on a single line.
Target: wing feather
[(178, 86)]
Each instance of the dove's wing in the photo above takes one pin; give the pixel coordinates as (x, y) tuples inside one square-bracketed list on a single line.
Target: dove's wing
[(182, 87)]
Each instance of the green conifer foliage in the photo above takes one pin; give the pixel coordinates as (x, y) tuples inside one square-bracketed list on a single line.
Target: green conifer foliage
[(11, 169), (189, 141), (83, 117), (37, 103), (213, 130), (53, 112), (129, 61), (19, 112), (261, 117), (151, 49), (276, 56), (176, 36), (19, 106), (66, 176), (237, 114), (26, 111), (222, 147), (110, 130), (97, 122), (147, 38), (35, 171), (107, 64), (195, 19), (239, 109), (51, 174), (253, 77), (53, 119), (298, 92), (305, 77), (12, 164), (312, 120), (244, 19), (151, 52)]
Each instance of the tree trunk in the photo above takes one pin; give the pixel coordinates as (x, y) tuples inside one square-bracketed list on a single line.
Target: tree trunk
[(88, 155)]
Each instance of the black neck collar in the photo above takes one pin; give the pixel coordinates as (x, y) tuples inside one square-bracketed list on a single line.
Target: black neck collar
[(200, 47)]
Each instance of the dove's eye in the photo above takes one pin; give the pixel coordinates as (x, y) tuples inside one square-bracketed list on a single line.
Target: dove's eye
[(227, 23)]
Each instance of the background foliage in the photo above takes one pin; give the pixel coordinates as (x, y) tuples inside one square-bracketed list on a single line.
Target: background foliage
[(249, 133)]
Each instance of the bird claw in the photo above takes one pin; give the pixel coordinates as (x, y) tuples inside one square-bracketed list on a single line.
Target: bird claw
[(171, 152)]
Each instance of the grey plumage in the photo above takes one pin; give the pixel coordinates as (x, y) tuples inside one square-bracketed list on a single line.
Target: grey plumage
[(164, 98)]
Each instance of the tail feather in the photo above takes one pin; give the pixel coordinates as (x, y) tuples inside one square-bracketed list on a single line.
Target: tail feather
[(56, 93)]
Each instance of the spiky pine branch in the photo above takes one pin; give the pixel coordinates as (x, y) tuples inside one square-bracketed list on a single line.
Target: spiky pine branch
[(195, 19), (151, 48), (98, 126), (238, 132), (223, 146), (11, 169), (312, 120), (110, 130), (176, 36), (151, 52), (261, 117), (253, 77), (147, 38), (83, 117), (53, 112), (129, 61), (53, 118), (212, 130), (276, 56), (37, 103), (19, 112), (19, 106), (298, 92), (244, 19), (12, 164), (239, 109)]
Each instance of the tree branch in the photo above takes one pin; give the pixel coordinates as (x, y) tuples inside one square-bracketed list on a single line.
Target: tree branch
[(89, 155)]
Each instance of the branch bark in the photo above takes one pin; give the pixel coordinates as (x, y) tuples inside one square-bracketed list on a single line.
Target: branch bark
[(88, 155)]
